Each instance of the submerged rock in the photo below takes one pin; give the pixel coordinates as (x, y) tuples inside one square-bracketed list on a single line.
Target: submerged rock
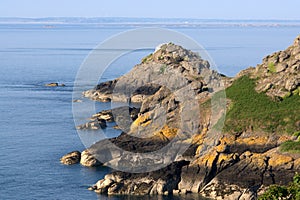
[(71, 158)]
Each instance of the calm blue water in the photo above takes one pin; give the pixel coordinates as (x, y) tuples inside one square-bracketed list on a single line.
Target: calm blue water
[(36, 124)]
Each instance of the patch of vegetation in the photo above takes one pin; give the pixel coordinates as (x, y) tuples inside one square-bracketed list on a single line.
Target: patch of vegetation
[(297, 91), (290, 146), (296, 134), (271, 67), (291, 192), (147, 58), (250, 108)]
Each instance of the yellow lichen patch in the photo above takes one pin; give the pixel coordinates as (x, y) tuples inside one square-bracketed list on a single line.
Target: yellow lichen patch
[(221, 148), (166, 133), (204, 130), (279, 160), (283, 139), (146, 123), (142, 120), (223, 157), (297, 163), (259, 160), (253, 140), (228, 139), (198, 139), (207, 159)]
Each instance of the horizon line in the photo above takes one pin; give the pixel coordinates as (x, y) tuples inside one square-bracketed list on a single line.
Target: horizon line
[(157, 18)]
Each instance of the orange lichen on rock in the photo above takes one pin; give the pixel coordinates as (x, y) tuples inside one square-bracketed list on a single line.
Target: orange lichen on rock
[(277, 160), (253, 140), (166, 133), (142, 120)]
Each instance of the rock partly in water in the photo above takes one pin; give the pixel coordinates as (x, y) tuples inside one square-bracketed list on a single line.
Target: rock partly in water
[(123, 116), (88, 160), (217, 165), (163, 181), (93, 125), (51, 85), (54, 85), (71, 158)]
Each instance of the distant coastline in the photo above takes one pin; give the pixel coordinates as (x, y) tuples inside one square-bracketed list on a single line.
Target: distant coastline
[(150, 22)]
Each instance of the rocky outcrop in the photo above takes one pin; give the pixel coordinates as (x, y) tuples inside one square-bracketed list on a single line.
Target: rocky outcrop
[(93, 125), (166, 66), (71, 158), (85, 158), (101, 92), (278, 76), (215, 164), (100, 119), (88, 160), (253, 172), (163, 181)]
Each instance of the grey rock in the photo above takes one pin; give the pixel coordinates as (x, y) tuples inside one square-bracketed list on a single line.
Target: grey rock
[(281, 67)]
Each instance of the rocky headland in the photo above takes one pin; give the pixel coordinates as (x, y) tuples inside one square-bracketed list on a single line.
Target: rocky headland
[(236, 156)]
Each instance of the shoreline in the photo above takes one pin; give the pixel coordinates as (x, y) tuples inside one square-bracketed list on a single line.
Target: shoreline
[(254, 153)]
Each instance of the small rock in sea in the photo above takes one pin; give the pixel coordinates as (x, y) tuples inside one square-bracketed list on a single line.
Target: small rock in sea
[(88, 160), (77, 101), (71, 158), (54, 85), (51, 85)]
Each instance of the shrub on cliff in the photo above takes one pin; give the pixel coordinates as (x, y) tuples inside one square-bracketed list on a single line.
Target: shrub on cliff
[(291, 192)]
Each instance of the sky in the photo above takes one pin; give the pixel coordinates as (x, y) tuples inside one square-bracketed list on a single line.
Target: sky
[(197, 9)]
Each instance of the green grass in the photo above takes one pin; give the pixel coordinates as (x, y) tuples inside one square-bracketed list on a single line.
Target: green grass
[(296, 134), (259, 111), (271, 67), (290, 146), (147, 58)]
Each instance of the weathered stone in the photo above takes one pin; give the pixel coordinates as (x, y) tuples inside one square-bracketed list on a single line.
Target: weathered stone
[(93, 125), (71, 158), (279, 72), (281, 67), (292, 84), (217, 166), (88, 160)]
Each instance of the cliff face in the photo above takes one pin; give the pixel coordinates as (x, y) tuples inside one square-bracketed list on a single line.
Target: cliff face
[(236, 163)]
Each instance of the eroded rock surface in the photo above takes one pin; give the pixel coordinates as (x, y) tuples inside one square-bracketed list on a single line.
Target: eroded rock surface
[(71, 158)]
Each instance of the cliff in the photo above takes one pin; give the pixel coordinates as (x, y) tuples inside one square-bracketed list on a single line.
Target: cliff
[(183, 107)]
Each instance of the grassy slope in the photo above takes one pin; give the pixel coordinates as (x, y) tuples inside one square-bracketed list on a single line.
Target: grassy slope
[(257, 110)]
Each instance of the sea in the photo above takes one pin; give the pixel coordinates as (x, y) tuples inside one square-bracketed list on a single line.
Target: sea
[(36, 122)]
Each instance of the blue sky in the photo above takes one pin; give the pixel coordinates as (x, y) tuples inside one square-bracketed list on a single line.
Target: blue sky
[(208, 9)]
